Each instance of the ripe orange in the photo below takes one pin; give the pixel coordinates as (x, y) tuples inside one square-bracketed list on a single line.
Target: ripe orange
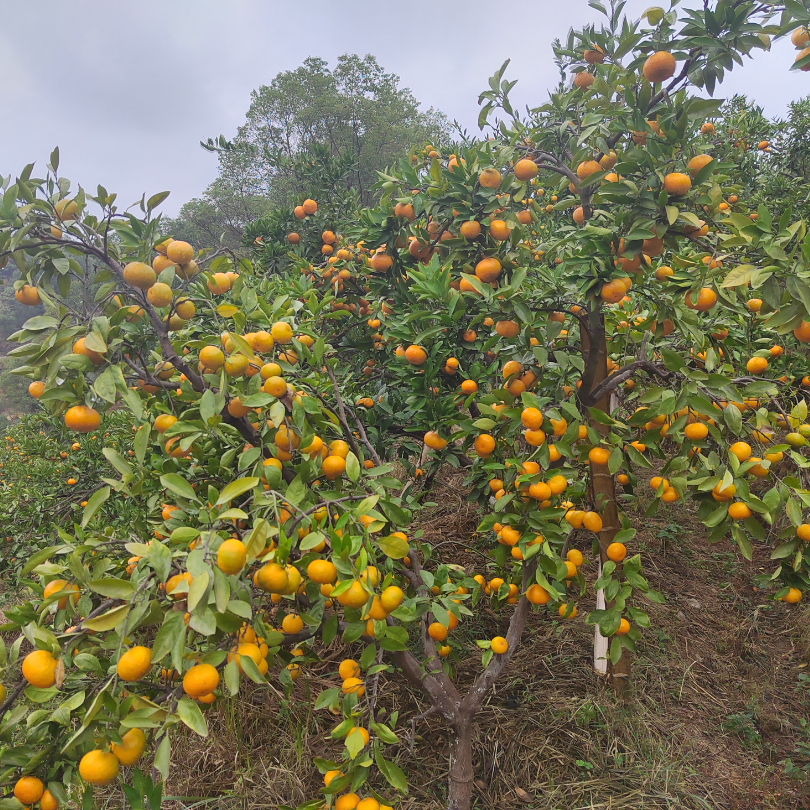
[(179, 252), (598, 456), (28, 295), (140, 275), (756, 365), (201, 679), (531, 418), (659, 67), (507, 329), (538, 595), (583, 80), (348, 801), (706, 299), (793, 596), (803, 532), (525, 169), (82, 419), (99, 767), (677, 183), (802, 332), (489, 178), (28, 789), (437, 631), (59, 585), (592, 522), (488, 269), (484, 444), (434, 441), (470, 229), (415, 355), (36, 389), (231, 557), (322, 571), (131, 747), (134, 663), (48, 801), (594, 56), (740, 449), (697, 163), (624, 627), (696, 431), (739, 511), (616, 552), (333, 466), (348, 669)]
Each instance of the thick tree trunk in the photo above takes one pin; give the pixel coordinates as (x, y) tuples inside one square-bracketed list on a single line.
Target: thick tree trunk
[(603, 485), (460, 782)]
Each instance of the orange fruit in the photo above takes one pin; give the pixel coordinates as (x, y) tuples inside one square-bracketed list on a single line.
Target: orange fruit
[(82, 419), (696, 431), (488, 269), (598, 456), (697, 163), (538, 595), (99, 767), (659, 67), (28, 295), (756, 365), (231, 557), (140, 275), (525, 169), (28, 789), (677, 183), (437, 631), (415, 355), (616, 552), (39, 669), (739, 511), (131, 747), (134, 663), (201, 679), (499, 645)]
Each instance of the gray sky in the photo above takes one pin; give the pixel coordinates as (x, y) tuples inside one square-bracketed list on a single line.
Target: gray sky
[(127, 90)]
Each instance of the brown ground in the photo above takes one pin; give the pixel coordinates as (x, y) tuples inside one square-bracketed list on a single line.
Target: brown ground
[(717, 704)]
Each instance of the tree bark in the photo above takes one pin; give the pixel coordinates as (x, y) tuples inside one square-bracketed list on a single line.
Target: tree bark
[(603, 485), (460, 782)]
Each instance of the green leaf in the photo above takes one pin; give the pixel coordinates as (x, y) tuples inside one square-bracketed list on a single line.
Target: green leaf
[(394, 547), (156, 199), (37, 558), (235, 489), (141, 442), (112, 588), (352, 467), (94, 504), (190, 714), (179, 486), (117, 461), (162, 756), (107, 621)]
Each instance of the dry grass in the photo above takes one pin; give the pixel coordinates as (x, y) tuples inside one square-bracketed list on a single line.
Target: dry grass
[(717, 701), (716, 707)]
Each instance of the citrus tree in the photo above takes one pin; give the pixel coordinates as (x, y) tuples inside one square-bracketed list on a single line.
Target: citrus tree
[(560, 310)]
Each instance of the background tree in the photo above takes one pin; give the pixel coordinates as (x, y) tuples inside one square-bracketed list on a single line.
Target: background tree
[(357, 112)]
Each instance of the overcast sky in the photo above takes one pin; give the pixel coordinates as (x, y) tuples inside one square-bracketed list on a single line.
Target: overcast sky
[(127, 90)]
